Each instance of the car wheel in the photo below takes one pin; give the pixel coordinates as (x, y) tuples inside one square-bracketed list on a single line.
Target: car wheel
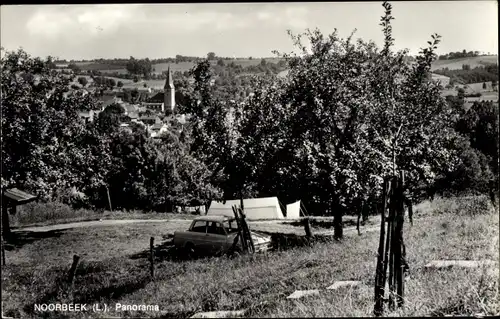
[(189, 251)]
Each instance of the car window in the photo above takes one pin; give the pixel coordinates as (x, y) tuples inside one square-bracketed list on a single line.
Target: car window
[(215, 228), (230, 226), (199, 226)]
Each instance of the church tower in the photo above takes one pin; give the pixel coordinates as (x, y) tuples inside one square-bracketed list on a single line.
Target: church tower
[(169, 93)]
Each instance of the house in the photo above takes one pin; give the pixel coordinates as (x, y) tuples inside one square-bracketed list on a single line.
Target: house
[(145, 90), (61, 65), (88, 115), (133, 116), (149, 119), (154, 106)]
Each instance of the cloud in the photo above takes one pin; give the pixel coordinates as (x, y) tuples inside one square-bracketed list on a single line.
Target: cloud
[(73, 21), (80, 22)]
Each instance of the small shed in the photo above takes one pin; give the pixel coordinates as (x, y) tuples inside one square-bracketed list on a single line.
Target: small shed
[(11, 198)]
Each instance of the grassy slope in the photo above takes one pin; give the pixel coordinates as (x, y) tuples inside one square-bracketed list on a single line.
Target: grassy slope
[(113, 270), (161, 67), (456, 64)]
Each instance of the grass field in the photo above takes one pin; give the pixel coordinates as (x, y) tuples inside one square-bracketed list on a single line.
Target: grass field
[(456, 64), (114, 269), (161, 67)]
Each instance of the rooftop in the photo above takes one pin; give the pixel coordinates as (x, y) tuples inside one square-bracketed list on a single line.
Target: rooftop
[(214, 218), (18, 196)]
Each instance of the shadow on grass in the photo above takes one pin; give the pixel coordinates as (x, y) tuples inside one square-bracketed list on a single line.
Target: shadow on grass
[(328, 223), (458, 309), (279, 242), (18, 239)]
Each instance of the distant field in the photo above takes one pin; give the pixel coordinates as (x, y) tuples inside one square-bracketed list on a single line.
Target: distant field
[(456, 64), (119, 71), (161, 67), (487, 94)]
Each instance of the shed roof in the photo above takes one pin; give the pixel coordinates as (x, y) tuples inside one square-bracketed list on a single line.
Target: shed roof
[(18, 196)]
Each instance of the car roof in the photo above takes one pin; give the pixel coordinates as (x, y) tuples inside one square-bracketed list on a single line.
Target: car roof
[(214, 218)]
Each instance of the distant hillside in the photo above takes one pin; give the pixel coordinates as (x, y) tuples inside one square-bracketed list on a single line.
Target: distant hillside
[(456, 64), (161, 67)]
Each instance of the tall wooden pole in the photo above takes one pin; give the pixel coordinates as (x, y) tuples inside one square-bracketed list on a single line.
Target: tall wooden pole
[(152, 257), (400, 263), (109, 199), (380, 271)]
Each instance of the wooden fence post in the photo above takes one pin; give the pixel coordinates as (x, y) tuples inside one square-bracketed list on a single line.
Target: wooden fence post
[(3, 253), (400, 263), (380, 271), (307, 227), (391, 241), (152, 256), (240, 229), (109, 199), (248, 235), (72, 270)]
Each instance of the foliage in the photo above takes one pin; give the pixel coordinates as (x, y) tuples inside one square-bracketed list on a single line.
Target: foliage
[(458, 55), (40, 127), (346, 116), (83, 81), (140, 67)]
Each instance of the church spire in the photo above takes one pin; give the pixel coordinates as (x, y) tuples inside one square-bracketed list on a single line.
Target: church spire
[(169, 84), (169, 92)]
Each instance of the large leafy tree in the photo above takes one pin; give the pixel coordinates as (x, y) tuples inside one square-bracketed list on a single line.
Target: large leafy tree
[(359, 114), (41, 129)]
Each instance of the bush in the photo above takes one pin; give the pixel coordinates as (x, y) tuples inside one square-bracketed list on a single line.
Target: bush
[(460, 206)]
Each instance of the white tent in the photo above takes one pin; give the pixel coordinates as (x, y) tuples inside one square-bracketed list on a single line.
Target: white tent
[(293, 210), (255, 208)]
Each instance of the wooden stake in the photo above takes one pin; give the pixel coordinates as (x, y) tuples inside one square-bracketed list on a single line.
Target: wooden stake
[(307, 227), (400, 262), (152, 257), (380, 271), (3, 253), (248, 235), (240, 229), (72, 270), (391, 242), (109, 199)]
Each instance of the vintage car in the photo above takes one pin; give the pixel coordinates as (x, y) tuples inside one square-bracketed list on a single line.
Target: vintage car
[(215, 235)]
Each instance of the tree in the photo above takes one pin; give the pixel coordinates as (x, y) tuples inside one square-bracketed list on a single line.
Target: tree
[(141, 67), (83, 81), (359, 114), (119, 84), (211, 56), (41, 130), (74, 67), (220, 62), (111, 83)]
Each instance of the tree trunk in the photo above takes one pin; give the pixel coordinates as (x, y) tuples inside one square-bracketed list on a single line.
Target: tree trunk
[(5, 221), (338, 231)]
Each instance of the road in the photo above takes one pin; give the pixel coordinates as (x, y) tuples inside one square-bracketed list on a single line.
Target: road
[(111, 222)]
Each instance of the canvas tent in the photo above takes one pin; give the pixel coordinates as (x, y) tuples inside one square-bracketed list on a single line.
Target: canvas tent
[(255, 208), (293, 210)]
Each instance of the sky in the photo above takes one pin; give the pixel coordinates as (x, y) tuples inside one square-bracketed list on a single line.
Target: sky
[(237, 29)]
